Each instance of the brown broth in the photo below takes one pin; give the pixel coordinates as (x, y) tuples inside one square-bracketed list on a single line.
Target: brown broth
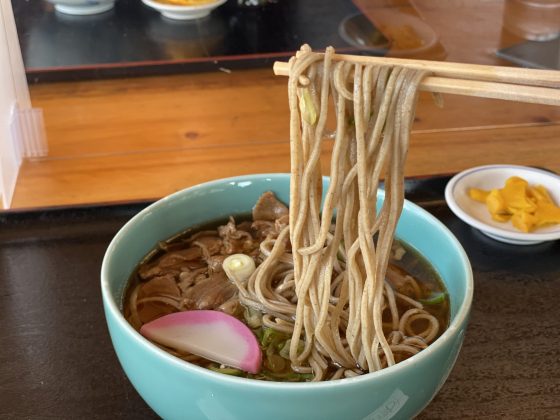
[(275, 367)]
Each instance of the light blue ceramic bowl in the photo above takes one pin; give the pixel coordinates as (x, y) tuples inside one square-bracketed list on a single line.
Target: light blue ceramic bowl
[(178, 390)]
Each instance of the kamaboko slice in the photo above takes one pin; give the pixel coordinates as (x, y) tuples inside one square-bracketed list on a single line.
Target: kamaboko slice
[(213, 335)]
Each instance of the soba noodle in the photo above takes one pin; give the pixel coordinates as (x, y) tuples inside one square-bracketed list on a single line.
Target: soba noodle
[(332, 292)]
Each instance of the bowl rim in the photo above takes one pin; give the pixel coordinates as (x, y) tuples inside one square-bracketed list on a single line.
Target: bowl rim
[(111, 306), (530, 237)]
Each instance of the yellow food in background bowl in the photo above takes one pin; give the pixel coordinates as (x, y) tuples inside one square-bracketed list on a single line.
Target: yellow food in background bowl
[(528, 207)]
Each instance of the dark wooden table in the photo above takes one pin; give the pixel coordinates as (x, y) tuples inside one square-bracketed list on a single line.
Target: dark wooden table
[(56, 358)]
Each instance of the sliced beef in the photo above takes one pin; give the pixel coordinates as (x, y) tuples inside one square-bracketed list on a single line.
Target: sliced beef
[(262, 229), (209, 245), (210, 292), (158, 287), (245, 226), (188, 278), (171, 263), (216, 296), (269, 208), (189, 275), (215, 263), (172, 258), (234, 240)]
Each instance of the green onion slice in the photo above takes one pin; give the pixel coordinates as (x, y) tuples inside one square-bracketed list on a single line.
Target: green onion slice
[(434, 299)]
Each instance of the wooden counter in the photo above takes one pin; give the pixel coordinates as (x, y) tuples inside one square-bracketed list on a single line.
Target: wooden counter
[(123, 140), (131, 139)]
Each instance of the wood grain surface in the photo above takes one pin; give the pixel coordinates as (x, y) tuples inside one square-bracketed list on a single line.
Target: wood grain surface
[(134, 176), (130, 139)]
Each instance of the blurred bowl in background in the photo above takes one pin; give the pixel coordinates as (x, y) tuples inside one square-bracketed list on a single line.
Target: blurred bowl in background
[(408, 35), (177, 12), (82, 7), (357, 30)]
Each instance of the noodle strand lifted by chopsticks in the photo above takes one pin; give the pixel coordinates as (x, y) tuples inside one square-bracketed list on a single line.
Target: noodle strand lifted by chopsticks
[(380, 102), (338, 269)]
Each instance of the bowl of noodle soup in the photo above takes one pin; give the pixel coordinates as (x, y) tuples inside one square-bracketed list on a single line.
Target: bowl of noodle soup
[(174, 388)]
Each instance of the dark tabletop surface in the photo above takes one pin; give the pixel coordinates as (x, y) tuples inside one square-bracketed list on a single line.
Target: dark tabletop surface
[(56, 358), (134, 39)]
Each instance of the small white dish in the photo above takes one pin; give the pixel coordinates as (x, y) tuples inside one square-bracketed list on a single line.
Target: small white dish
[(82, 7), (494, 176), (177, 12)]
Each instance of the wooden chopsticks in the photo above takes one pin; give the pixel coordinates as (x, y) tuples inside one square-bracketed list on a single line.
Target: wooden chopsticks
[(508, 83)]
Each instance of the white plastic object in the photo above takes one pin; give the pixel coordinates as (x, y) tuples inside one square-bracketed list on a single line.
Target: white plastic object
[(22, 131)]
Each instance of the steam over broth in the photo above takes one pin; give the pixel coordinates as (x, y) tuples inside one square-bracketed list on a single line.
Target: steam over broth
[(185, 273)]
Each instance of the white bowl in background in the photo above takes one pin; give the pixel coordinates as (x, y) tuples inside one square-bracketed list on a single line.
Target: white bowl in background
[(494, 176), (82, 7), (177, 12)]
